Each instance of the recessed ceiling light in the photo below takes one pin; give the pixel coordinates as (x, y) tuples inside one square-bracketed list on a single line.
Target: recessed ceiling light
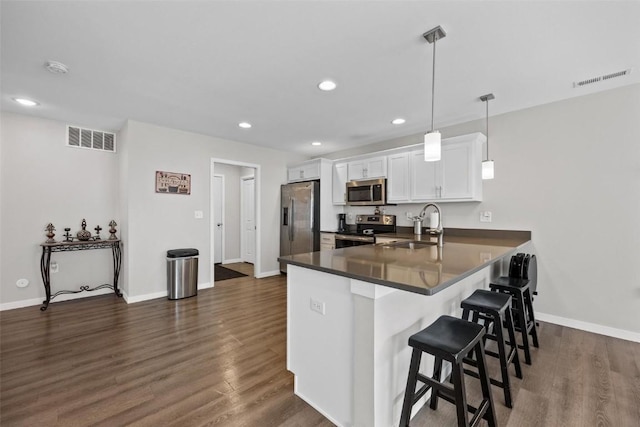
[(316, 143), (327, 85), (398, 121), (26, 102), (244, 125), (56, 67)]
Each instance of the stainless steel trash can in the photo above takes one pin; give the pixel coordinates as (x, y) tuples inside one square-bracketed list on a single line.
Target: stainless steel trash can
[(182, 273)]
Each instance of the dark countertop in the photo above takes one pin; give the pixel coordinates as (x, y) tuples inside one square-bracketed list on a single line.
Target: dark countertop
[(425, 270)]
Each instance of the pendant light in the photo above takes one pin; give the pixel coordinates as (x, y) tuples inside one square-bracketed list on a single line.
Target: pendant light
[(432, 139), (487, 165)]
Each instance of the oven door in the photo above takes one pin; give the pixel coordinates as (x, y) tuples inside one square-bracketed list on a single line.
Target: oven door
[(343, 241)]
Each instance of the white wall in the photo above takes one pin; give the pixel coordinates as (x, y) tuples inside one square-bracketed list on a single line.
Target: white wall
[(569, 172), (158, 222), (45, 181)]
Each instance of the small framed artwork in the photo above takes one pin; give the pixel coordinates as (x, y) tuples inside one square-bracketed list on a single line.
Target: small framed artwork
[(173, 182)]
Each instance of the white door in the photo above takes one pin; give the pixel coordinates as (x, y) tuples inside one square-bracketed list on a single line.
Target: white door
[(248, 220), (218, 217)]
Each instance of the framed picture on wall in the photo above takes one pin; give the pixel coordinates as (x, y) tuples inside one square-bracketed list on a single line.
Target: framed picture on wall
[(173, 182)]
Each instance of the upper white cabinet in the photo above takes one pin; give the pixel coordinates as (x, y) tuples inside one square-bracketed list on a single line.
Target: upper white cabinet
[(340, 178), (374, 167), (455, 178), (398, 186), (305, 171)]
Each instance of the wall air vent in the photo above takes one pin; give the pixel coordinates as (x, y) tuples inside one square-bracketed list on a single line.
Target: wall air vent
[(602, 78), (91, 139)]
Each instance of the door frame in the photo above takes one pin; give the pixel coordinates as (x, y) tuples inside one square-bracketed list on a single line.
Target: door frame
[(257, 266), (213, 220), (243, 214)]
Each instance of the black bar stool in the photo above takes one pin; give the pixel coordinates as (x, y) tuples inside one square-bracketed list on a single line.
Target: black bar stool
[(451, 339), (494, 310), (521, 284)]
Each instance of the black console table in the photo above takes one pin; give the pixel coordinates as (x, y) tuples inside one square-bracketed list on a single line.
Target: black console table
[(45, 264)]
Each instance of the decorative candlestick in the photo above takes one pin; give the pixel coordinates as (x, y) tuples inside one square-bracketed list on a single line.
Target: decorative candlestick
[(67, 235), (84, 234), (112, 230), (98, 228), (50, 233)]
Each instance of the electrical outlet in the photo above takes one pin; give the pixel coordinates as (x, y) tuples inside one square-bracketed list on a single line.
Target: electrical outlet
[(199, 214), (317, 306), (485, 216), (54, 267)]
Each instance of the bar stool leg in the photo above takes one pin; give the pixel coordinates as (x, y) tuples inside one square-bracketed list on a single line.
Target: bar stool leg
[(486, 386), (504, 366), (460, 394), (416, 356), (514, 344), (522, 323), (532, 317), (437, 375)]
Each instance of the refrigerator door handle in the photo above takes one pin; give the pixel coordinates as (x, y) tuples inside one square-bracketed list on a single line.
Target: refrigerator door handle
[(291, 219)]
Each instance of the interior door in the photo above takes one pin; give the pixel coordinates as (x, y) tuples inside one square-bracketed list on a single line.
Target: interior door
[(218, 217), (248, 220)]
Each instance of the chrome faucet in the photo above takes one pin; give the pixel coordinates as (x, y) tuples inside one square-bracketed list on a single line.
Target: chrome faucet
[(438, 230)]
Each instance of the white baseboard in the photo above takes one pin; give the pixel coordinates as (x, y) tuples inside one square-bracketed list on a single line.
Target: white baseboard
[(231, 261), (154, 295), (268, 274), (60, 298), (316, 407), (22, 303), (589, 327)]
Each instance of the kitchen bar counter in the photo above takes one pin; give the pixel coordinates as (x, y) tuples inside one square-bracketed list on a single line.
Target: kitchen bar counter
[(425, 269), (351, 311)]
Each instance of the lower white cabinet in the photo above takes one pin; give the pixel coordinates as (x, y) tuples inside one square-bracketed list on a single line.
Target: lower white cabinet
[(456, 177), (327, 241)]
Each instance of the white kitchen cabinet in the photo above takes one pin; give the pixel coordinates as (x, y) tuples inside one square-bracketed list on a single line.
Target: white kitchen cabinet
[(327, 241), (398, 178), (456, 177), (305, 171), (340, 178), (374, 167)]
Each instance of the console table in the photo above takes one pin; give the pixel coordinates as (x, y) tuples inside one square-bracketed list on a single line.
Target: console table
[(45, 264)]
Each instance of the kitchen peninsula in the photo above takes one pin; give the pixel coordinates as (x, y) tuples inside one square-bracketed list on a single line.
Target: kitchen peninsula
[(350, 313)]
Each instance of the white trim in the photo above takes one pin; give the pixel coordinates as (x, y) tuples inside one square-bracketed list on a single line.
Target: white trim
[(145, 297), (589, 327), (242, 217), (257, 177), (268, 274), (231, 261), (22, 303), (213, 220), (314, 406), (206, 285)]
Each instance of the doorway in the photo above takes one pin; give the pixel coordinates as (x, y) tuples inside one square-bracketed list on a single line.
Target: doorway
[(235, 216)]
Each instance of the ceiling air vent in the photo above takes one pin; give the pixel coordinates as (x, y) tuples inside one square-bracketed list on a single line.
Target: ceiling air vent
[(602, 78), (91, 139)]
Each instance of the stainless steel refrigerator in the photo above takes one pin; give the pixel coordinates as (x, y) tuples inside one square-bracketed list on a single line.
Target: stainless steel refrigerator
[(299, 219)]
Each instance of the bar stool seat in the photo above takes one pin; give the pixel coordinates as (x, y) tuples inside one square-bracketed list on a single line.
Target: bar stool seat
[(451, 339), (494, 310)]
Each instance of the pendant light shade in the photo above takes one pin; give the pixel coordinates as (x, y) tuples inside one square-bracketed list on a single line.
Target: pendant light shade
[(487, 165), (432, 139), (432, 146)]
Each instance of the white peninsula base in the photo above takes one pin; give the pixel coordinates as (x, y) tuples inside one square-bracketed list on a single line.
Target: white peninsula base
[(347, 341)]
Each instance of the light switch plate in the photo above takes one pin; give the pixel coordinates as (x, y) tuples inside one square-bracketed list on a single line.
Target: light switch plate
[(199, 214)]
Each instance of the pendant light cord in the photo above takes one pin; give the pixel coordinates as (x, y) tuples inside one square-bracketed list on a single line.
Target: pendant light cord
[(433, 79), (487, 101)]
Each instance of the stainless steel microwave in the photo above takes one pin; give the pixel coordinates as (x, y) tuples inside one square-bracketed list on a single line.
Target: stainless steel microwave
[(370, 192)]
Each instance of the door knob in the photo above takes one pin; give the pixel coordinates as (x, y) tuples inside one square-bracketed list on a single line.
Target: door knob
[(219, 224)]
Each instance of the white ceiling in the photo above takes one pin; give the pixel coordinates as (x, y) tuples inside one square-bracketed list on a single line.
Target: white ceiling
[(205, 66)]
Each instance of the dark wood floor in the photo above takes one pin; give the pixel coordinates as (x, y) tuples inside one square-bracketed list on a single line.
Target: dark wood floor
[(219, 359)]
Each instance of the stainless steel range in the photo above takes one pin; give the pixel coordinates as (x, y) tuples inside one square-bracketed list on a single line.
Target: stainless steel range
[(367, 226)]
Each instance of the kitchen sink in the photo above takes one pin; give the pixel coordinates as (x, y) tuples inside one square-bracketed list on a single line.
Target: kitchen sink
[(416, 244)]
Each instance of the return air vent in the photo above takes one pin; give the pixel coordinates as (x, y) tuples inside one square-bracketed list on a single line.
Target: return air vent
[(602, 78), (91, 139)]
